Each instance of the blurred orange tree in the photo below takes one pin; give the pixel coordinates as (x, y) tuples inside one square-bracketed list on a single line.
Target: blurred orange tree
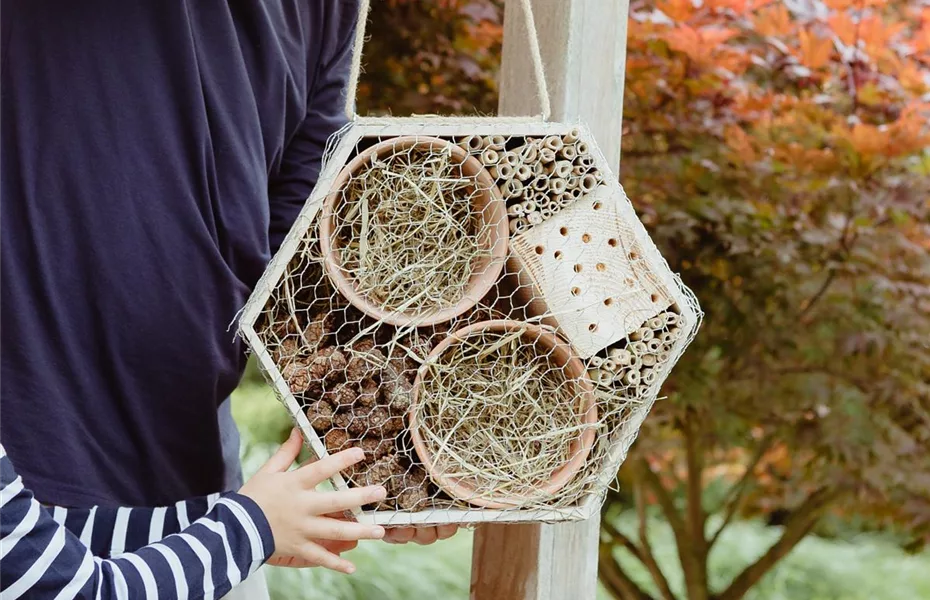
[(779, 153)]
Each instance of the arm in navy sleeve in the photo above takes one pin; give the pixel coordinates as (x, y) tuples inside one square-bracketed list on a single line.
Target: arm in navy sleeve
[(302, 159), (39, 558)]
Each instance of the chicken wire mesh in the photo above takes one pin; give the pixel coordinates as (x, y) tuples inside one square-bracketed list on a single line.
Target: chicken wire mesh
[(481, 312)]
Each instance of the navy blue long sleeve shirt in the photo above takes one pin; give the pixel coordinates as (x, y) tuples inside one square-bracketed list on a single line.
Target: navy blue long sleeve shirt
[(154, 154)]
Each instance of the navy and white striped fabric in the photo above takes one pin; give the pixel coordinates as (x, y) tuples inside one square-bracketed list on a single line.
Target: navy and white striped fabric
[(39, 558)]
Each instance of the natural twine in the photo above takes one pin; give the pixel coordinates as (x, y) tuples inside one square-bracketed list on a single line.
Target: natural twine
[(539, 72)]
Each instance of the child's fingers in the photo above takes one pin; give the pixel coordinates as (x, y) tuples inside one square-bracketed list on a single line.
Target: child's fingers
[(315, 554), (329, 502), (316, 473), (334, 529), (285, 456)]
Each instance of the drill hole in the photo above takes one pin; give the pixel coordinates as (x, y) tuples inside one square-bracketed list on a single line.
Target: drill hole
[(597, 206), (578, 268), (601, 267), (608, 301), (612, 242), (558, 255), (592, 327), (586, 238), (576, 291), (564, 230), (540, 249)]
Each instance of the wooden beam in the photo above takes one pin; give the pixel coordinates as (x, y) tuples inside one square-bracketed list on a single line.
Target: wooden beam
[(583, 44)]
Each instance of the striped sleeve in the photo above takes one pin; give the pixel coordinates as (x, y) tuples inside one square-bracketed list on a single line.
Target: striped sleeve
[(40, 558), (110, 531)]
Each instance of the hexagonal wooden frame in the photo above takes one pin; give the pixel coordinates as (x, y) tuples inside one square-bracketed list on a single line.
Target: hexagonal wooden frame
[(340, 151)]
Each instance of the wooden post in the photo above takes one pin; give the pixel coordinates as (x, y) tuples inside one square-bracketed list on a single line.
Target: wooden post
[(583, 45)]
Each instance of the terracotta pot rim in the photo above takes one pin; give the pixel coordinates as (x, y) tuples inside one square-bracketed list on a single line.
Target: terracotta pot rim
[(490, 201), (582, 444)]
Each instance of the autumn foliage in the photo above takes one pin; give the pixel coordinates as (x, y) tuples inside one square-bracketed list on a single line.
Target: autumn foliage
[(779, 153)]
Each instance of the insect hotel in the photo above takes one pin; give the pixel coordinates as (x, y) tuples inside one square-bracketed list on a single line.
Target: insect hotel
[(477, 306)]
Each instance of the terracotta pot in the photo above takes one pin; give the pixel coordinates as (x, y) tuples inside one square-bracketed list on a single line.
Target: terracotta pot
[(562, 356), (487, 202)]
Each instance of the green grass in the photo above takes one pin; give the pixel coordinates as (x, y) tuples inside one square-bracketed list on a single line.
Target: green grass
[(862, 568)]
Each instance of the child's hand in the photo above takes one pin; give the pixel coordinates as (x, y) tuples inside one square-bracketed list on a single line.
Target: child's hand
[(296, 512)]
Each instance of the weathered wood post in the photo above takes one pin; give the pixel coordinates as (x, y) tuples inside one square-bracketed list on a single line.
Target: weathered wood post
[(583, 44)]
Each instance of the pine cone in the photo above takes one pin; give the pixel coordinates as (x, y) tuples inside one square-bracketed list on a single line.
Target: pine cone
[(321, 325), (300, 380), (363, 346), (341, 396), (369, 393), (327, 363), (320, 414), (336, 440), (414, 498), (376, 447)]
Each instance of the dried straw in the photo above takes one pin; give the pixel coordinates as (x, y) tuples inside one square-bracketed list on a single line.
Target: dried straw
[(497, 415), (407, 231)]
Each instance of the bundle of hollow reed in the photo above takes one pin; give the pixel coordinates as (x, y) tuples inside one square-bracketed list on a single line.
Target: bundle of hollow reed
[(499, 418), (635, 364), (407, 231), (538, 177)]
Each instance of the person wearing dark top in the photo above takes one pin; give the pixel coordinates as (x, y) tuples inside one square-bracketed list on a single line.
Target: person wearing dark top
[(153, 155)]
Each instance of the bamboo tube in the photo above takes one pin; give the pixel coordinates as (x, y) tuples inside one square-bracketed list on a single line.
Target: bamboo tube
[(539, 169), (564, 200), (534, 218), (554, 143), (575, 192), (495, 142), (579, 170), (648, 376), (604, 377), (541, 184), (581, 147), (653, 345), (585, 160), (473, 144), (596, 361), (546, 213), (572, 136), (667, 347), (675, 332), (598, 176), (671, 319), (529, 206), (528, 192), (631, 377), (568, 152), (563, 169), (638, 349), (558, 186), (516, 210), (546, 155), (501, 171), (611, 365), (666, 337), (588, 183), (490, 157), (524, 172), (517, 225), (512, 188), (528, 153), (649, 360), (636, 362), (663, 356), (511, 159), (552, 205), (642, 334), (622, 355), (655, 323)]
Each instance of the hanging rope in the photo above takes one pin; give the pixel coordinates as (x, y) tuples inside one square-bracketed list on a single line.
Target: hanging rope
[(542, 91)]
